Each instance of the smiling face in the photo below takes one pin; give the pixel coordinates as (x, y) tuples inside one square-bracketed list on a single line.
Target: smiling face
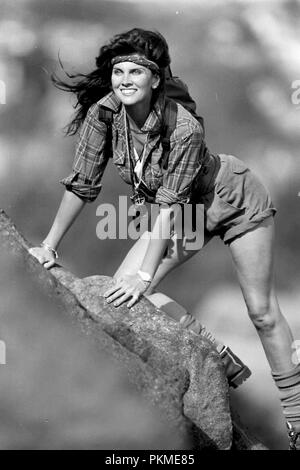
[(133, 84)]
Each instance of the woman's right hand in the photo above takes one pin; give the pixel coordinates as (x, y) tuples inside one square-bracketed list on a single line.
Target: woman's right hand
[(44, 256)]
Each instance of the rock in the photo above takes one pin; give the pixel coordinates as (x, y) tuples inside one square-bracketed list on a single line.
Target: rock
[(178, 371)]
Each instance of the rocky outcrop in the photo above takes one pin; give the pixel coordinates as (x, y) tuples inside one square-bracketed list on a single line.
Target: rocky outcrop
[(177, 370)]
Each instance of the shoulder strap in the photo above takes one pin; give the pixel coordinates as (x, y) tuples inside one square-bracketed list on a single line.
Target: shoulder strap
[(106, 116), (170, 119), (177, 90)]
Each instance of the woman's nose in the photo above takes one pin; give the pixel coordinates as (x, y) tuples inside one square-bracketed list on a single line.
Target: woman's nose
[(126, 79)]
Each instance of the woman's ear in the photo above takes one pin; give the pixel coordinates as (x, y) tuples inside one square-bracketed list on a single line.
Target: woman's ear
[(156, 81)]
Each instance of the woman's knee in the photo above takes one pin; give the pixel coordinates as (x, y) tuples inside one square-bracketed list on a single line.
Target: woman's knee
[(264, 314)]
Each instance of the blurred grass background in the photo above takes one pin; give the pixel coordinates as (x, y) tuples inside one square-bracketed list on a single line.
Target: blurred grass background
[(239, 59)]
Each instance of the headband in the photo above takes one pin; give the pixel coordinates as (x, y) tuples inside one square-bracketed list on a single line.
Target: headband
[(136, 59)]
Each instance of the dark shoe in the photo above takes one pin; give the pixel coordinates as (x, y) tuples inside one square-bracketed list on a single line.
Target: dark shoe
[(236, 371), (294, 437)]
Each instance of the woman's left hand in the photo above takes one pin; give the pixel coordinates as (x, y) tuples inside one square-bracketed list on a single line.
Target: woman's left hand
[(126, 286)]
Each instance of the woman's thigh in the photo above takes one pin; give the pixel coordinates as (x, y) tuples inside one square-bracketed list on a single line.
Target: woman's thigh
[(252, 254)]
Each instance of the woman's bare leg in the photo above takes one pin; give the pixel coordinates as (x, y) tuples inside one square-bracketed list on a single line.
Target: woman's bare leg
[(176, 255), (253, 257), (252, 254)]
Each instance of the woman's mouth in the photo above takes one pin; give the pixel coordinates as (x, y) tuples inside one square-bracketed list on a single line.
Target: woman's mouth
[(128, 91)]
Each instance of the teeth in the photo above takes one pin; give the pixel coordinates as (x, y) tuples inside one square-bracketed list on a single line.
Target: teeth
[(128, 92)]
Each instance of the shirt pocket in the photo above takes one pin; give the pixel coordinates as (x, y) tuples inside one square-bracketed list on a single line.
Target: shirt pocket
[(156, 162), (156, 171), (119, 157), (152, 172)]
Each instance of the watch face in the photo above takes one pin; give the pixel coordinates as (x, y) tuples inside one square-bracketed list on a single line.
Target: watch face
[(145, 276)]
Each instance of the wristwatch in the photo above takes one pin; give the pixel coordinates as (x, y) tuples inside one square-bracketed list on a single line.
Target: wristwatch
[(145, 276)]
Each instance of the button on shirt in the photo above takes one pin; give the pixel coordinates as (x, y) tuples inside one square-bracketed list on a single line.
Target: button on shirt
[(168, 186)]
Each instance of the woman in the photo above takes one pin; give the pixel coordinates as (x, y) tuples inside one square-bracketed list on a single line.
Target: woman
[(129, 82)]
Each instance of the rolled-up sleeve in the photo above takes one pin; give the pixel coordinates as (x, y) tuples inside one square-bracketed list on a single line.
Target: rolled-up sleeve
[(90, 158), (183, 165)]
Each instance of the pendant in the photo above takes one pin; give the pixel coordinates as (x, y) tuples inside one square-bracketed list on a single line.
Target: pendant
[(138, 200)]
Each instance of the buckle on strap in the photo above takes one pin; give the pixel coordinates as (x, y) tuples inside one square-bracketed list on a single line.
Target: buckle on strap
[(293, 436)]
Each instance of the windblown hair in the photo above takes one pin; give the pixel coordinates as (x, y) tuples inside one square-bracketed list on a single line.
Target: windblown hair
[(91, 87)]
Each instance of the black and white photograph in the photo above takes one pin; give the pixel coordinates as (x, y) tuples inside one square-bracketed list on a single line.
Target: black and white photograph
[(149, 227)]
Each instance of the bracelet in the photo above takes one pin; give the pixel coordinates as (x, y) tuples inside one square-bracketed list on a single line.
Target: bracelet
[(49, 248)]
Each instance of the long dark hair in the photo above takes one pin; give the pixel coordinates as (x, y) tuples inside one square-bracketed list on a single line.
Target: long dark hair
[(91, 87)]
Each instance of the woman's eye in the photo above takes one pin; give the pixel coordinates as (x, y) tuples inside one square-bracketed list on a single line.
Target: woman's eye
[(117, 72), (137, 72)]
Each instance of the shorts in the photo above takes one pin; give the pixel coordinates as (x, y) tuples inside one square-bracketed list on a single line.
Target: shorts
[(236, 200)]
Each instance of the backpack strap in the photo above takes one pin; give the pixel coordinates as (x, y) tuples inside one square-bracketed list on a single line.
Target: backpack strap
[(106, 116), (177, 90), (170, 119)]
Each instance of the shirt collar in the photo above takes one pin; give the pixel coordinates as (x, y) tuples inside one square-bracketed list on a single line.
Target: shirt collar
[(110, 101), (153, 122)]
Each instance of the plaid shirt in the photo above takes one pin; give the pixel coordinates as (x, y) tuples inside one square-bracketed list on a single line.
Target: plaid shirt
[(173, 185)]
